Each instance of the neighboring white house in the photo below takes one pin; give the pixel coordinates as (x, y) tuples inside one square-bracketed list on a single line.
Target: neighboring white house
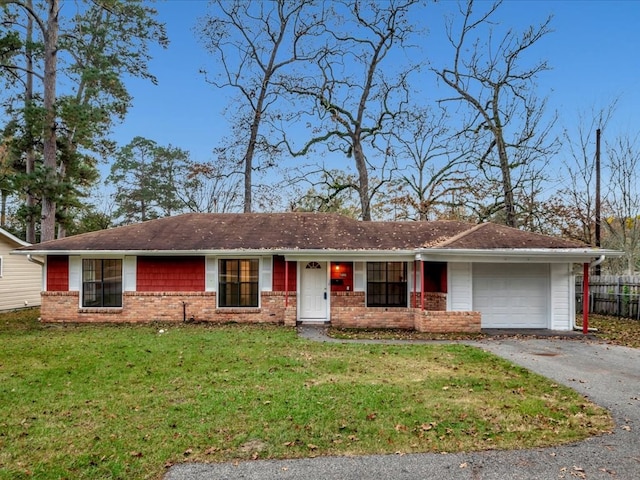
[(20, 278)]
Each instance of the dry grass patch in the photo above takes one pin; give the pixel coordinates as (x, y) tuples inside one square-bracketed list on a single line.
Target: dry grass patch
[(618, 331), (127, 401)]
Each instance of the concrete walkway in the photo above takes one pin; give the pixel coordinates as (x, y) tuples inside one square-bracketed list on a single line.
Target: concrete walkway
[(607, 375)]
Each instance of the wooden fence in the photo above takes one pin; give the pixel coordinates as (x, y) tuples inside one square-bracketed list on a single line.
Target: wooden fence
[(611, 295)]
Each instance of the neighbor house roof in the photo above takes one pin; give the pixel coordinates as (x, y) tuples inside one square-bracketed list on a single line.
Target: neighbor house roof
[(12, 238), (297, 231)]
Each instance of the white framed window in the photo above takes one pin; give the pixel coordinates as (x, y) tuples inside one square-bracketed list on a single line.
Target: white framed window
[(238, 282), (387, 284), (101, 282)]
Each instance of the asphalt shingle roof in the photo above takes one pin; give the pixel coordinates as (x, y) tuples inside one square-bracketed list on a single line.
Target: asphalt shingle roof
[(298, 231)]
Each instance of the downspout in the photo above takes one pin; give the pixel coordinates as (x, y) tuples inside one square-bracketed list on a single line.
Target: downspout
[(43, 274), (585, 292), (33, 260), (597, 261), (585, 298)]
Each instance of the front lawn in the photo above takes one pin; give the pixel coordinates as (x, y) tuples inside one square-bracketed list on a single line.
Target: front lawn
[(128, 401)]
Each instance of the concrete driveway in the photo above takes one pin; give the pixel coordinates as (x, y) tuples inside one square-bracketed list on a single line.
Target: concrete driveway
[(607, 375)]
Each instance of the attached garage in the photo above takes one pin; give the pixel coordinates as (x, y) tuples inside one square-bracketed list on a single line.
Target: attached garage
[(514, 295)]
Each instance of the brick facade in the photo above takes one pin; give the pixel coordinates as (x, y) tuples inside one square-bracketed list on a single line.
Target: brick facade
[(348, 310), (432, 301), (172, 307), (447, 322)]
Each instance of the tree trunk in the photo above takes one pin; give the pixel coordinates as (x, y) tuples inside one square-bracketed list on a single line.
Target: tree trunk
[(248, 172), (363, 180), (30, 156), (48, 220), (3, 207), (509, 207), (503, 156), (62, 228)]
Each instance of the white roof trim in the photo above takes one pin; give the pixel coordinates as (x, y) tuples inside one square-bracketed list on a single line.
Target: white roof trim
[(510, 255), (290, 254), (533, 255), (13, 238)]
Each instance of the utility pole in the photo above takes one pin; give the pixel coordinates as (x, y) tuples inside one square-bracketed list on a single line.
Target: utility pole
[(597, 271)]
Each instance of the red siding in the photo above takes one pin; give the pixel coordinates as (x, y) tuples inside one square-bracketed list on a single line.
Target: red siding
[(57, 273), (278, 274), (341, 277), (170, 274)]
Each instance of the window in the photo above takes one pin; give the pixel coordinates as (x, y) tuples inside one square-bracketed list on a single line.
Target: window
[(101, 282), (386, 284), (238, 283)]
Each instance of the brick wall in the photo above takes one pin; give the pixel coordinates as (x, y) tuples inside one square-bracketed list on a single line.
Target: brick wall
[(372, 317), (347, 311), (447, 322), (142, 307), (346, 299), (433, 301)]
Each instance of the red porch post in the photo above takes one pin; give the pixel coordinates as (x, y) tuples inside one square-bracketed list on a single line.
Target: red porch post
[(585, 299), (415, 288), (286, 283), (421, 284)]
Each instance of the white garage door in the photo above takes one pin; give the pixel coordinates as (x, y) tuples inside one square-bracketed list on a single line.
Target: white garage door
[(512, 295)]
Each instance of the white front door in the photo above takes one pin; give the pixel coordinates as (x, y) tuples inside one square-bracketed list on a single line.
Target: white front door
[(313, 291)]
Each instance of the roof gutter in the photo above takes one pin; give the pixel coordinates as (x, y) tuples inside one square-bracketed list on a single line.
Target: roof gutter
[(534, 255), (290, 253)]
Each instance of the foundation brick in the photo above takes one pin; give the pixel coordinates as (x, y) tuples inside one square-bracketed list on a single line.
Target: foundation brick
[(170, 307), (447, 322), (348, 310)]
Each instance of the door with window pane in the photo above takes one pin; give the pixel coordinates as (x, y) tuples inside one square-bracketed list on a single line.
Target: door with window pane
[(313, 292)]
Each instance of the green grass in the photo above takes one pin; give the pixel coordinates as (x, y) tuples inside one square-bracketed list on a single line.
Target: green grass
[(127, 401)]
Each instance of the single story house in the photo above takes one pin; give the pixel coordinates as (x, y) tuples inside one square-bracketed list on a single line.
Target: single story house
[(438, 276), (20, 278)]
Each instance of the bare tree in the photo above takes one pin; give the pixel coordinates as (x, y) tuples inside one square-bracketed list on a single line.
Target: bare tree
[(211, 187), (432, 181), (356, 93), (623, 198), (571, 212), (320, 189), (505, 115), (252, 42)]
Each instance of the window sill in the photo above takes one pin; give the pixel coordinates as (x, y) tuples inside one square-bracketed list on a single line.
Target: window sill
[(107, 310), (238, 310)]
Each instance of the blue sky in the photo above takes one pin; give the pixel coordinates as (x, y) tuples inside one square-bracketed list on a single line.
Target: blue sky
[(593, 53)]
